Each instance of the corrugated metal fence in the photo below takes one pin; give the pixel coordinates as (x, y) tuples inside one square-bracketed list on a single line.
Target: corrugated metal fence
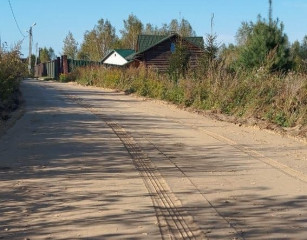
[(72, 64), (62, 65)]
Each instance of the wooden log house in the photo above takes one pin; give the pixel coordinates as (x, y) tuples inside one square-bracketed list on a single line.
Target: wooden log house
[(155, 51)]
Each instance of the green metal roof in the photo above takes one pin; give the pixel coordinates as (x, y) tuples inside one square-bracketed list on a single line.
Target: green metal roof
[(148, 41), (145, 42), (124, 52), (198, 41)]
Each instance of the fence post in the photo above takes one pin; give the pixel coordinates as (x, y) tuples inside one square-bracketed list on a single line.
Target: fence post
[(65, 64), (58, 67)]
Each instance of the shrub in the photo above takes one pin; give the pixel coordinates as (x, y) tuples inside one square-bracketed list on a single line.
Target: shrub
[(12, 69)]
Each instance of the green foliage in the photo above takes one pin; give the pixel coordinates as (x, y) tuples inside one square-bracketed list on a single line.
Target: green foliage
[(70, 77), (132, 28), (178, 62), (244, 33), (98, 41), (299, 55), (45, 54), (250, 79), (70, 47), (151, 30), (211, 47), (11, 70), (266, 45), (183, 28), (278, 98), (281, 119)]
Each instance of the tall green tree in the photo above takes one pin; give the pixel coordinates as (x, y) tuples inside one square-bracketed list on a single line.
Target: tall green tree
[(70, 47), (244, 32), (299, 55), (211, 47), (106, 36), (185, 29), (164, 30), (182, 27), (98, 42), (264, 44), (303, 49), (89, 47), (46, 54), (267, 45), (132, 28), (151, 30), (211, 44), (173, 26)]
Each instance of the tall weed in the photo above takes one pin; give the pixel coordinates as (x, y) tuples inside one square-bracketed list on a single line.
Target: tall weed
[(280, 98)]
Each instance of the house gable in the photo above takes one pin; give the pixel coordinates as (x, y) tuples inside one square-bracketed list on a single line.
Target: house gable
[(117, 57)]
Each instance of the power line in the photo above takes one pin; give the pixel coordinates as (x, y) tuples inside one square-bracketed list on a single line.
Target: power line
[(15, 19)]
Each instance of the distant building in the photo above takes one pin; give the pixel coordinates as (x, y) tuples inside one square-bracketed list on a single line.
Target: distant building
[(155, 51), (117, 57)]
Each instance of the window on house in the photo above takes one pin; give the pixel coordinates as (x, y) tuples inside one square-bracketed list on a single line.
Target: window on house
[(173, 47)]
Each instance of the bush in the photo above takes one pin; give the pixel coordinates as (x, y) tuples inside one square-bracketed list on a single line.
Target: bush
[(70, 77), (12, 69)]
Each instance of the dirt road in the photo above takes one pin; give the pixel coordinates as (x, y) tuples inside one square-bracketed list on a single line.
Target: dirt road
[(88, 163)]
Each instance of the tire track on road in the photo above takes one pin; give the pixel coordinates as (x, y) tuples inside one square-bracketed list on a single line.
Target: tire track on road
[(174, 222), (166, 222), (168, 208)]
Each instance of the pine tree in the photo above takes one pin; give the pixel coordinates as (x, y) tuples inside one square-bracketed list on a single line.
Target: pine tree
[(265, 44), (70, 47)]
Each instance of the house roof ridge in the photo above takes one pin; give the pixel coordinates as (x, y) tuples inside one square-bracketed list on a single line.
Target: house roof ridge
[(123, 52)]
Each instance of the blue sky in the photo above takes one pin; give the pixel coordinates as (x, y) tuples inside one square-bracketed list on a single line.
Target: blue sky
[(55, 18)]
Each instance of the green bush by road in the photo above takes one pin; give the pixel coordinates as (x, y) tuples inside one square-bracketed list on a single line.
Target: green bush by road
[(12, 69)]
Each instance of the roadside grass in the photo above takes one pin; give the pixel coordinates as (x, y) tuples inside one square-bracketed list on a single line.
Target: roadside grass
[(277, 98)]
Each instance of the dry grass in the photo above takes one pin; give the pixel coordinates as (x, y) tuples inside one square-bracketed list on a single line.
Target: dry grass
[(276, 98)]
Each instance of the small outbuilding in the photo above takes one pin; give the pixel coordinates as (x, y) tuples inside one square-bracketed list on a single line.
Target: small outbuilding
[(117, 57)]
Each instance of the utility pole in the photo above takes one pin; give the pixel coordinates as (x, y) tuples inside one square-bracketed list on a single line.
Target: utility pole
[(36, 54), (30, 47)]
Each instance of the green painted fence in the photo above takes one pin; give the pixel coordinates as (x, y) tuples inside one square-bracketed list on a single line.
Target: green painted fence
[(72, 64), (54, 68)]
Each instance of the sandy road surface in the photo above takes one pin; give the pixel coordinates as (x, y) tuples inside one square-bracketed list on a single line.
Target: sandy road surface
[(87, 163)]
